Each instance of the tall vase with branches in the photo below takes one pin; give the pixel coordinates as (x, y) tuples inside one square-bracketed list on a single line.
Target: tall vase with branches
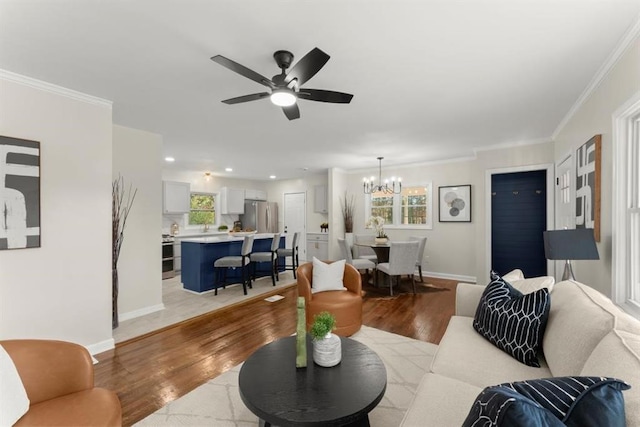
[(348, 205), (121, 204)]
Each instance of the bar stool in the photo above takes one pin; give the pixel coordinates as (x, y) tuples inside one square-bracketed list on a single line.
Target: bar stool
[(290, 252), (271, 257), (233, 261)]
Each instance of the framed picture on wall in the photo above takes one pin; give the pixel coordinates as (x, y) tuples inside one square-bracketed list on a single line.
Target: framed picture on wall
[(455, 203), (588, 164), (19, 193)]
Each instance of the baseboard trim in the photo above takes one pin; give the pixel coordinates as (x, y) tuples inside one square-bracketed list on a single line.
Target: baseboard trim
[(458, 277), (140, 312), (101, 346)]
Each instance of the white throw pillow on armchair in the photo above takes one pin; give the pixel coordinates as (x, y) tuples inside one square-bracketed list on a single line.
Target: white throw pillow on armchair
[(14, 402), (327, 277)]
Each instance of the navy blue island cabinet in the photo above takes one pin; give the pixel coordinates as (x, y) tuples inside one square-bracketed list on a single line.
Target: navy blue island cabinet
[(199, 253)]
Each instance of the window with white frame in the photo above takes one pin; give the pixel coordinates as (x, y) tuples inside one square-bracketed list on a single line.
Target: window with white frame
[(412, 208), (203, 211), (626, 208)]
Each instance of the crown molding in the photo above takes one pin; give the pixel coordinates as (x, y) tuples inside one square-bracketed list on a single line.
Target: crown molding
[(49, 87), (512, 144), (622, 48)]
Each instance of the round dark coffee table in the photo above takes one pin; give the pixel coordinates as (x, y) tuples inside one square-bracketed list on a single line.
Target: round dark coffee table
[(280, 394)]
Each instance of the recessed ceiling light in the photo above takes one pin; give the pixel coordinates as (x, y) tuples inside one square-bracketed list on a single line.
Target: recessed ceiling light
[(272, 176), (169, 159), (228, 169)]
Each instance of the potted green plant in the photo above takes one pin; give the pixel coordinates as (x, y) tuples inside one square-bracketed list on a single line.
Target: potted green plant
[(327, 347), (223, 227)]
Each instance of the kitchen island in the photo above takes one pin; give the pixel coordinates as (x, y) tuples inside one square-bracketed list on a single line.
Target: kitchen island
[(199, 254)]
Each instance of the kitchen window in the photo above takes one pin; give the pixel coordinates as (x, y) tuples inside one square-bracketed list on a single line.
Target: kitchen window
[(203, 209), (412, 208)]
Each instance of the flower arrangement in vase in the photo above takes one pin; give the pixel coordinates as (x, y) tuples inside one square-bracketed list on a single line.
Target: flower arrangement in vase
[(377, 222), (327, 348)]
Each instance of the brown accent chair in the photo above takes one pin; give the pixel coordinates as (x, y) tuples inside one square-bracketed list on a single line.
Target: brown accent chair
[(58, 378), (346, 306)]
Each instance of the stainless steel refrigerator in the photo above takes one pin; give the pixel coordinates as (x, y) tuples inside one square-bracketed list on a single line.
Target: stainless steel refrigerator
[(261, 216)]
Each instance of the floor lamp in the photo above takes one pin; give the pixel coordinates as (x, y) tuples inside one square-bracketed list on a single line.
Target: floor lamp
[(569, 245)]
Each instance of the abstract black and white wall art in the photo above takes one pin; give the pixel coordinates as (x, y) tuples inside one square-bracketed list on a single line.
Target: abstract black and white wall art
[(588, 159), (455, 203), (19, 193)]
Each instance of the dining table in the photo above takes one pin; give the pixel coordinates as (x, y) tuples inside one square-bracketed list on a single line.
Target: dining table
[(381, 250)]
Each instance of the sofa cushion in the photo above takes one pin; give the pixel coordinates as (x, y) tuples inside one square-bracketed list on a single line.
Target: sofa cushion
[(512, 321), (578, 320), (559, 401), (440, 401), (465, 355), (624, 365)]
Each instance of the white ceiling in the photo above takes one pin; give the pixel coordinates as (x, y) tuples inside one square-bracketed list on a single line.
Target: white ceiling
[(432, 79)]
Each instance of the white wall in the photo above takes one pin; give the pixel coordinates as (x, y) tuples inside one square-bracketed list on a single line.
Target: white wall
[(595, 117), (137, 157), (61, 290)]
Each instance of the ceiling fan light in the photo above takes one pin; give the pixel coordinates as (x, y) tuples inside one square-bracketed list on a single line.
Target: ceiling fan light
[(283, 98)]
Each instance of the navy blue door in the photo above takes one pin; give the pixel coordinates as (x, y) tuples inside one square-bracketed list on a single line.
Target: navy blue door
[(518, 218)]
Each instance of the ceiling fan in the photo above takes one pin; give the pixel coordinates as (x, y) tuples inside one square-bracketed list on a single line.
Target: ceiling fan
[(286, 87)]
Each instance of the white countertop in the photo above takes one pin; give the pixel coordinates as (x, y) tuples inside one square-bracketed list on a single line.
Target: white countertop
[(224, 238)]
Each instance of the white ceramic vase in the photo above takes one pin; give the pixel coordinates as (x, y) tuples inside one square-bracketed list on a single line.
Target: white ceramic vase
[(327, 352)]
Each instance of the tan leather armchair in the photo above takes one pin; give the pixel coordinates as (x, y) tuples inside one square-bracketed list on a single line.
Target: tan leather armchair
[(58, 378), (346, 306)]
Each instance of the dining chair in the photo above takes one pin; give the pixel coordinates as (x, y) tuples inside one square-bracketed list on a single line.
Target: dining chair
[(358, 263), (361, 251), (221, 265), (423, 243), (270, 257), (402, 260), (290, 252)]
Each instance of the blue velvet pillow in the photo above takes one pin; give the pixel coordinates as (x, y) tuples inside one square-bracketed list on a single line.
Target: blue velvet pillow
[(513, 322), (560, 401)]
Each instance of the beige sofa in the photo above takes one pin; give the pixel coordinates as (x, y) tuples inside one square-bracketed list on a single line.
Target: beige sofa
[(586, 335)]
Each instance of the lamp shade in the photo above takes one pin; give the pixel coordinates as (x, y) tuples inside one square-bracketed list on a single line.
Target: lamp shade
[(570, 244)]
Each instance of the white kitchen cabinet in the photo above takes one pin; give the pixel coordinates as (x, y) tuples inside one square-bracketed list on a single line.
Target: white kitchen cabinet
[(176, 197), (255, 194), (317, 246), (231, 200), (320, 199)]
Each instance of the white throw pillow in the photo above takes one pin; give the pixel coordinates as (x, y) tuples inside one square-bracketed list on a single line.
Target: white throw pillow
[(14, 402), (526, 286), (516, 279), (513, 275), (327, 277)]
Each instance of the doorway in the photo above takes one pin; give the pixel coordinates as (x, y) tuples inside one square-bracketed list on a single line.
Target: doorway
[(518, 218), (295, 219)]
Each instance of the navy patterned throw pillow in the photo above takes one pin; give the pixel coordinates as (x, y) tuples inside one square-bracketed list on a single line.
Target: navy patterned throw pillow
[(560, 401), (513, 322)]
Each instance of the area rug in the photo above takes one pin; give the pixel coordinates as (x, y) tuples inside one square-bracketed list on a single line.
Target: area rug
[(218, 402)]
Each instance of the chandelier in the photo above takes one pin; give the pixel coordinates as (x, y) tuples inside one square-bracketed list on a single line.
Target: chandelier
[(369, 185)]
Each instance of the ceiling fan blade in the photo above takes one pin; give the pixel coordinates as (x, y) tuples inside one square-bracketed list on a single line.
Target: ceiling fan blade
[(307, 67), (324, 96), (246, 98), (292, 112), (243, 71)]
